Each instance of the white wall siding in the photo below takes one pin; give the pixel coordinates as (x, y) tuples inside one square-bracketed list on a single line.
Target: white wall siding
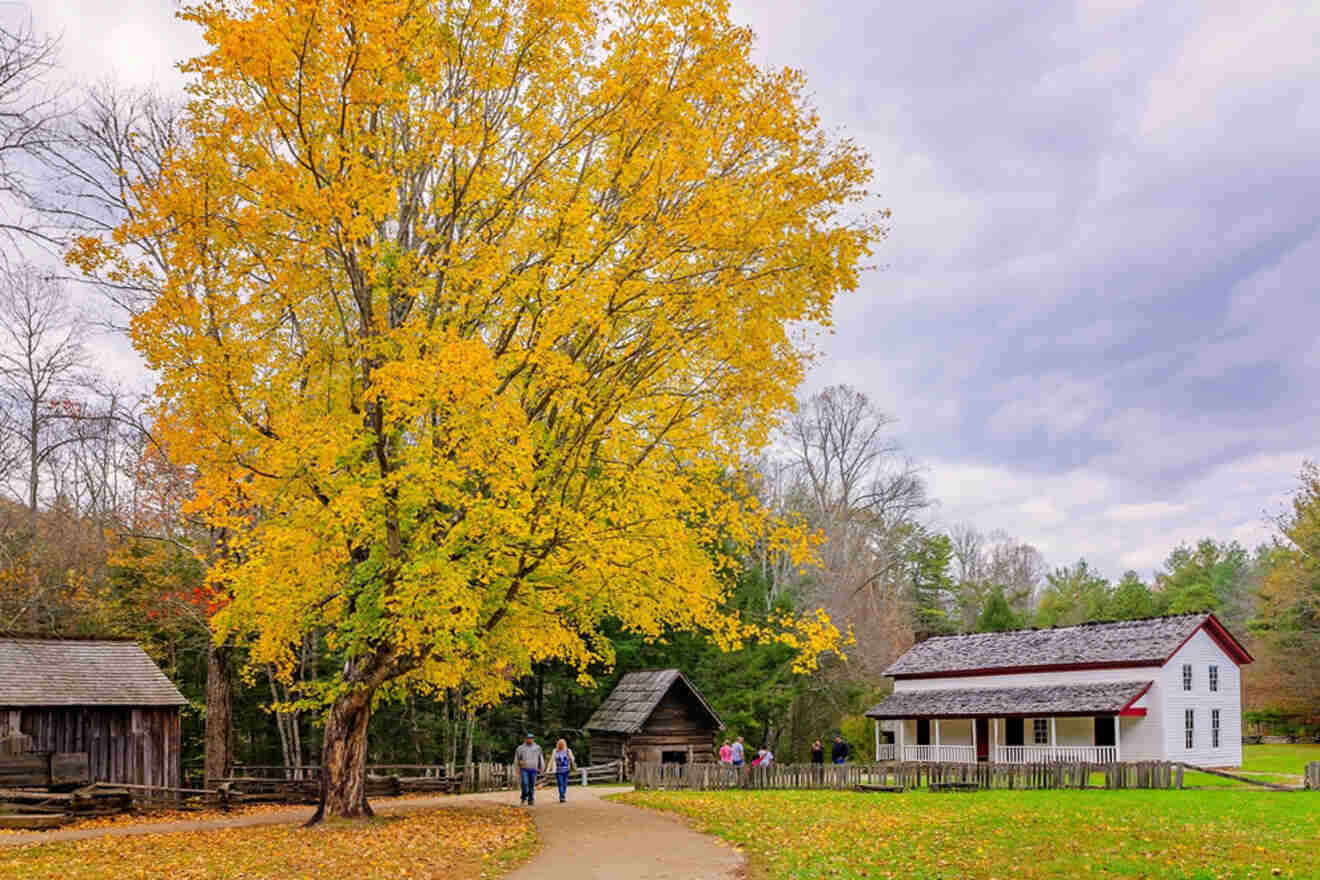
[(1029, 679), (1142, 737), (1201, 651)]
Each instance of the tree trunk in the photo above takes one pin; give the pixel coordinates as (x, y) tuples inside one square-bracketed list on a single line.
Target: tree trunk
[(344, 758), (219, 714), (471, 728)]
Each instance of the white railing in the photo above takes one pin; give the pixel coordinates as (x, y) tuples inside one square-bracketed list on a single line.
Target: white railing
[(1050, 754), (886, 752), (941, 754)]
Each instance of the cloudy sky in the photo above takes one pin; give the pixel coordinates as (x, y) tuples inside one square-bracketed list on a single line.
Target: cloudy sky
[(1095, 316)]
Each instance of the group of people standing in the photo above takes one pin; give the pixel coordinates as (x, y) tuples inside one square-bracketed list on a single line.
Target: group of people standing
[(735, 753), (531, 763), (838, 752)]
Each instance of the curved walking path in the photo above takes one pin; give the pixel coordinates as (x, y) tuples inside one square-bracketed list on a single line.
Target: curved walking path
[(587, 838)]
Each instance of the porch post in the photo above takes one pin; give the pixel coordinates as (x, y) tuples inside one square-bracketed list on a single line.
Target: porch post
[(973, 721), (902, 726), (1054, 740), (994, 738), (937, 739), (877, 740), (1118, 746)]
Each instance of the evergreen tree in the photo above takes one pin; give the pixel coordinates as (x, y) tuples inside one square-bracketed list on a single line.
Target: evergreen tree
[(998, 615), (1132, 599), (1073, 594), (929, 568)]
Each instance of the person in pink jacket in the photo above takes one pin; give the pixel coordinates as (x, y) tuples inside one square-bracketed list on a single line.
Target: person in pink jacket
[(726, 753)]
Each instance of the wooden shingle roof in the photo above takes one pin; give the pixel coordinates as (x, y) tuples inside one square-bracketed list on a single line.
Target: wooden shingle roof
[(73, 672), (1102, 698), (635, 697), (1148, 642)]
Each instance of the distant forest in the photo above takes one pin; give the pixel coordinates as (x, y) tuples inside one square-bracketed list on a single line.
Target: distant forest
[(104, 545)]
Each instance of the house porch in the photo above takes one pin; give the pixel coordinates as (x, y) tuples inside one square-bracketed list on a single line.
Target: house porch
[(1083, 722), (1092, 739)]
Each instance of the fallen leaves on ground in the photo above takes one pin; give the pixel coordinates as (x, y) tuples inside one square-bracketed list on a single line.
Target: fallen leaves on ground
[(1161, 835), (455, 844), (149, 816)]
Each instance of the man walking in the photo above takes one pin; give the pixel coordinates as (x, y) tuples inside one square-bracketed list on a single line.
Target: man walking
[(530, 762), (840, 750), (737, 752)]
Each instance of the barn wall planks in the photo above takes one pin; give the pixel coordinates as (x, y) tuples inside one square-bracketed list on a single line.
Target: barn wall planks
[(135, 746)]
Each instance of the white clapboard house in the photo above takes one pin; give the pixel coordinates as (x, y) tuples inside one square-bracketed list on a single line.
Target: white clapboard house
[(1164, 688)]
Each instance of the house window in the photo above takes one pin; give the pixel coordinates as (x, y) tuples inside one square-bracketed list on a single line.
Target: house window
[(1187, 676), (1214, 678), (1214, 726), (1189, 727), (1040, 731)]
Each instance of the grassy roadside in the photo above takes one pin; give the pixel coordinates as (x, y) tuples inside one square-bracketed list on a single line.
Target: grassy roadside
[(1188, 835)]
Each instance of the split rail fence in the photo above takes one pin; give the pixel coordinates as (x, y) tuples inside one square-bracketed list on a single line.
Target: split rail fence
[(899, 776), (1312, 776), (294, 784)]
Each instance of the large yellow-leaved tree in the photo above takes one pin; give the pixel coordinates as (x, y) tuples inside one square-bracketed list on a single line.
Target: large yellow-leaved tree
[(469, 312)]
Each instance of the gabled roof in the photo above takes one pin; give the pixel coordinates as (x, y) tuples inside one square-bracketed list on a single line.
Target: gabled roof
[(81, 672), (1103, 698), (635, 697), (1149, 642)]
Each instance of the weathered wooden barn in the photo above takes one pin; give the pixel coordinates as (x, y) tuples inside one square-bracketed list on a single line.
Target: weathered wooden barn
[(654, 715), (102, 697)]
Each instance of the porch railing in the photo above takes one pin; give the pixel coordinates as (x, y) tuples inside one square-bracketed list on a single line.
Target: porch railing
[(1050, 754), (942, 754), (886, 752)]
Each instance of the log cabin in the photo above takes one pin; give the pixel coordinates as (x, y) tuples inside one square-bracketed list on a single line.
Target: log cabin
[(654, 715), (102, 697), (1159, 689)]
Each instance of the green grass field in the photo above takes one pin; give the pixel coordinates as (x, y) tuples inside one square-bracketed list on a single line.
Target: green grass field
[(1279, 758), (1189, 835), (1281, 764)]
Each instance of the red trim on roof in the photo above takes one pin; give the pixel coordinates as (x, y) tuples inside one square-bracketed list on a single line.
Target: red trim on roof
[(1225, 639), (1044, 667), (1129, 711)]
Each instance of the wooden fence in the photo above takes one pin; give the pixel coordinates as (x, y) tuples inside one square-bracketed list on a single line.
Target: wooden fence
[(905, 775), (302, 784), (1312, 776)]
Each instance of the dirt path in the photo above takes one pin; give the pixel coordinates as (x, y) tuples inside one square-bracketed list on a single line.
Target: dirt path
[(584, 839), (593, 839)]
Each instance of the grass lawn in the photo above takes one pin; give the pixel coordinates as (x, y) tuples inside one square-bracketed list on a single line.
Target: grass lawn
[(462, 844), (1281, 764), (1010, 834), (1279, 758)]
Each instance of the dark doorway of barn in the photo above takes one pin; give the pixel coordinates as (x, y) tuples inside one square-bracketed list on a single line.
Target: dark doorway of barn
[(673, 757)]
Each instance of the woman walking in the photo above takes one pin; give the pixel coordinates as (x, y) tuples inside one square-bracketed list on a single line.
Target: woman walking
[(564, 762)]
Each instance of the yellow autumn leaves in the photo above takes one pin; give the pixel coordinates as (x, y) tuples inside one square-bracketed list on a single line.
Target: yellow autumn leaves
[(470, 315), (453, 843)]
